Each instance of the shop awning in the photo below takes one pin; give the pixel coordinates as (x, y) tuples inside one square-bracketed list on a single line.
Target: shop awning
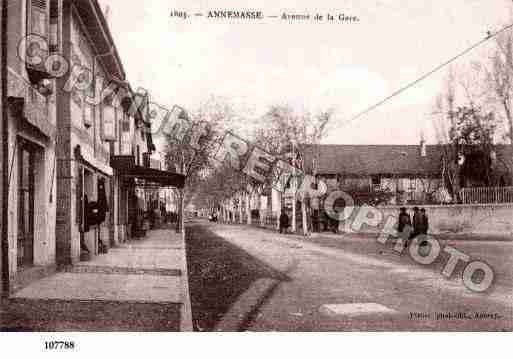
[(89, 159), (125, 166)]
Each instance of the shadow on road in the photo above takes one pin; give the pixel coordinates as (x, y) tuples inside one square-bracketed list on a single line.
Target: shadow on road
[(219, 272)]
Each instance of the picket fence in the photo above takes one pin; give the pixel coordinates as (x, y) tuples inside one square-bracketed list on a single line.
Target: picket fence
[(486, 195)]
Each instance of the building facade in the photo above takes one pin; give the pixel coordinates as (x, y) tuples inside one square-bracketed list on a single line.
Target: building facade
[(65, 196), (84, 175), (31, 134)]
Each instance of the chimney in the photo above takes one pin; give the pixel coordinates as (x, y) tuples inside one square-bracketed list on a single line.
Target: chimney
[(422, 145)]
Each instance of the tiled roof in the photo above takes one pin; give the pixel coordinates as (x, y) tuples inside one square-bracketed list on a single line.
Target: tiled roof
[(365, 160)]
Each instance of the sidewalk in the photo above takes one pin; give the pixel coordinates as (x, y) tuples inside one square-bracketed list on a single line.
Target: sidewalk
[(140, 285)]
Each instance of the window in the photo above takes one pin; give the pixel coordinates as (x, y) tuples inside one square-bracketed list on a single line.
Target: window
[(125, 124), (37, 17), (37, 24), (413, 185), (88, 114), (108, 124), (26, 204), (376, 180), (54, 26)]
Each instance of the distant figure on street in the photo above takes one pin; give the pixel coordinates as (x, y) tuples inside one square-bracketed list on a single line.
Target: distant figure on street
[(284, 221), (333, 223), (151, 217), (316, 221)]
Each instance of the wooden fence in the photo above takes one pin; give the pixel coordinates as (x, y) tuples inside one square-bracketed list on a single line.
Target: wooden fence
[(487, 195)]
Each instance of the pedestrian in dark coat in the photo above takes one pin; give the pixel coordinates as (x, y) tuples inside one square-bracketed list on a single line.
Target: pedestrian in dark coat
[(284, 221), (424, 221), (424, 226), (417, 222), (404, 219)]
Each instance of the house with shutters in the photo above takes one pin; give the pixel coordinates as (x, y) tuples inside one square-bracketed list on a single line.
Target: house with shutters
[(412, 173), (409, 173)]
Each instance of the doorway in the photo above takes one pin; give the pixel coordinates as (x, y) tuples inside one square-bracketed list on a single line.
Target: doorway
[(26, 185)]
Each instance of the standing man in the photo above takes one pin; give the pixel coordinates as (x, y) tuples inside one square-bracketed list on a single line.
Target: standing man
[(404, 223), (284, 221), (417, 222), (425, 221), (404, 219), (424, 225)]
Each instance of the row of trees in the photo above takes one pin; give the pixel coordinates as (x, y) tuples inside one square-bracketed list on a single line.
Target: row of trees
[(210, 184)]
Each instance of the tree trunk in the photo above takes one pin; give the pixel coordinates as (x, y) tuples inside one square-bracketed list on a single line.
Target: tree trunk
[(294, 212), (278, 210), (181, 222), (248, 208), (510, 123), (261, 211), (304, 217), (241, 220), (270, 206)]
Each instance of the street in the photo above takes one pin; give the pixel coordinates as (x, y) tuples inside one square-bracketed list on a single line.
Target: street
[(245, 278)]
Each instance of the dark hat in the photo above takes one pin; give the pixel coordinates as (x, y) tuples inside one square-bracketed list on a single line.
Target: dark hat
[(423, 210), (402, 209), (415, 208)]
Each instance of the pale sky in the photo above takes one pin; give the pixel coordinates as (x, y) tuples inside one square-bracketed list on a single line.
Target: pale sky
[(308, 65)]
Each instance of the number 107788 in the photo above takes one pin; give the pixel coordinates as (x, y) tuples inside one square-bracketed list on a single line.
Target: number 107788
[(59, 345)]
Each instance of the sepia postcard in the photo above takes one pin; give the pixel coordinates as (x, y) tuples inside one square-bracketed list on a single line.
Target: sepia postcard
[(250, 166)]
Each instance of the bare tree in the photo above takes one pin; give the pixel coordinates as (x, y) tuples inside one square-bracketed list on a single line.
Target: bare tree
[(195, 161), (444, 123), (500, 79)]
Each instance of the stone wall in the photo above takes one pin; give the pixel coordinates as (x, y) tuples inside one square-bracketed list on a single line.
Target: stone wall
[(488, 219)]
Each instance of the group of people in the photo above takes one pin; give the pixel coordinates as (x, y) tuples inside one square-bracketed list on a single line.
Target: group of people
[(419, 224), (327, 222)]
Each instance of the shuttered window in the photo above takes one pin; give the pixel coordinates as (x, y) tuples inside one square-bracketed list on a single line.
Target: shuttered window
[(37, 19), (37, 25), (54, 26)]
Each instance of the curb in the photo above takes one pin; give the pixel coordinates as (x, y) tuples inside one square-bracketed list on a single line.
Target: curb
[(186, 311), (444, 236)]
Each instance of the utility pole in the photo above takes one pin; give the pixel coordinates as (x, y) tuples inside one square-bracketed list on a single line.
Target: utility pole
[(4, 156), (294, 188)]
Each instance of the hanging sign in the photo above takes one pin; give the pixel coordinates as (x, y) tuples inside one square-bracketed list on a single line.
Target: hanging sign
[(108, 124)]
